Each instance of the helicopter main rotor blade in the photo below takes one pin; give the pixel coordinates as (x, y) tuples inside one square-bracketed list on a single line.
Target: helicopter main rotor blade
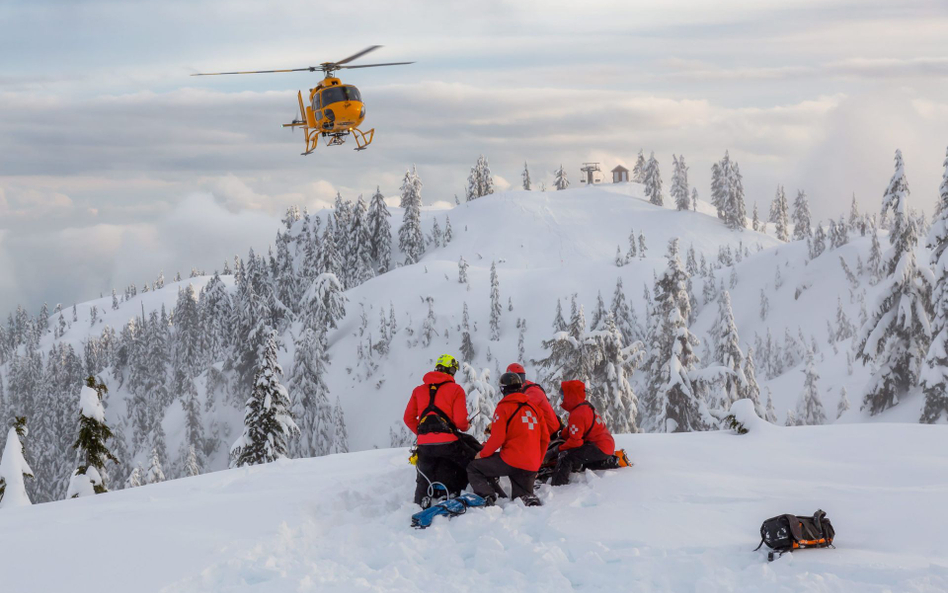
[(374, 65), (357, 55), (310, 69)]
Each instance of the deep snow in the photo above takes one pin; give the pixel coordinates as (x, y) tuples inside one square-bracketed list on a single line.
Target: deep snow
[(685, 518)]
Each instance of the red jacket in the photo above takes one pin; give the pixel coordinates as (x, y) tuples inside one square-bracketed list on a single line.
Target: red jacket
[(450, 399), (584, 424), (524, 444), (541, 404)]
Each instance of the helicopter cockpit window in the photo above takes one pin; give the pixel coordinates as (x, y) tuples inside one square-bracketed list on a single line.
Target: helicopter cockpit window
[(353, 94), (340, 93)]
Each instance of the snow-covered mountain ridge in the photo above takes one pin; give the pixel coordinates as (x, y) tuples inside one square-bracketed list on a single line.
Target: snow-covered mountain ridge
[(686, 517)]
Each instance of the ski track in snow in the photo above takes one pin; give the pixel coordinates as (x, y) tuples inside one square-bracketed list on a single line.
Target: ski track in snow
[(685, 518)]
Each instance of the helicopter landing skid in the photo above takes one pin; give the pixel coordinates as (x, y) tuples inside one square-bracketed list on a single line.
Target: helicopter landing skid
[(363, 139)]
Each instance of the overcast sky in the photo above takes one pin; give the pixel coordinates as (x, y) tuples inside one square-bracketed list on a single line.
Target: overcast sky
[(115, 164)]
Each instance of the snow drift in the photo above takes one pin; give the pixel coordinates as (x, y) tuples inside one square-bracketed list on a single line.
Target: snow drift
[(684, 518)]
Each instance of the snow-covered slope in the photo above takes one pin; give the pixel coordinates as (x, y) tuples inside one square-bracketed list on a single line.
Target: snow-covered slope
[(547, 246), (685, 518)]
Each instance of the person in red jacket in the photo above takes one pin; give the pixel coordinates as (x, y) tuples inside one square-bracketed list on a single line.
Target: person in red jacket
[(437, 413), (538, 399), (588, 441), (517, 444)]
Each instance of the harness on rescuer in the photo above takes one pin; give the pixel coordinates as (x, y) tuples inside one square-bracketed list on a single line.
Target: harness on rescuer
[(591, 424), (433, 419), (514, 415)]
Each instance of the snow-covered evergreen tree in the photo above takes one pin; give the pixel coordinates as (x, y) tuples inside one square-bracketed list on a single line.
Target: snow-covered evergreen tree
[(895, 196), (771, 413), (480, 183), (525, 177), (311, 397), (136, 478), (898, 333), (751, 389), (467, 345), (340, 441), (791, 419), (616, 362), (856, 221), (495, 307), (638, 170), (191, 465), (189, 331), (193, 426), (573, 354), (810, 408), (462, 270), (156, 472), (91, 450), (599, 314), (672, 402), (653, 181), (755, 222), (633, 249), (448, 232), (437, 236), (844, 328), (817, 242), (561, 181), (324, 304), (727, 351), (411, 239), (935, 371), (679, 183), (801, 217), (380, 231), (14, 470), (428, 328), (559, 322), (480, 398), (735, 214), (875, 257), (361, 262), (268, 424), (843, 405), (624, 315)]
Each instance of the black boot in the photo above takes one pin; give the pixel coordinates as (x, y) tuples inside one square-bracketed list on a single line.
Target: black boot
[(498, 490), (531, 500)]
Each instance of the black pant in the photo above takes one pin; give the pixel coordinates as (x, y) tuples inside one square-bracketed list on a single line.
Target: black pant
[(483, 473), (445, 463), (574, 459)]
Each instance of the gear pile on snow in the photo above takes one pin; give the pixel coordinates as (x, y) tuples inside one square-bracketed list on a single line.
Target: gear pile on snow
[(785, 533)]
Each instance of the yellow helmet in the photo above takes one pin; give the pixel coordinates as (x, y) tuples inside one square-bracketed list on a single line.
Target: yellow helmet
[(448, 363)]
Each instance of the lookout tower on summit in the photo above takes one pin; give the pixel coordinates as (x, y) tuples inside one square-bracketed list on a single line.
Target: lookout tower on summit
[(591, 173)]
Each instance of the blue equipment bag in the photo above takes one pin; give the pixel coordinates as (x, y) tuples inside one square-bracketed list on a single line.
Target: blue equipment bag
[(449, 508)]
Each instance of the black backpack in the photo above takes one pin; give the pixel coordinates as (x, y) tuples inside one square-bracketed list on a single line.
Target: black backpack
[(785, 533)]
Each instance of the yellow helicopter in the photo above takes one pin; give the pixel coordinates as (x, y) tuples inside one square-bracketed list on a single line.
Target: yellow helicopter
[(335, 110)]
